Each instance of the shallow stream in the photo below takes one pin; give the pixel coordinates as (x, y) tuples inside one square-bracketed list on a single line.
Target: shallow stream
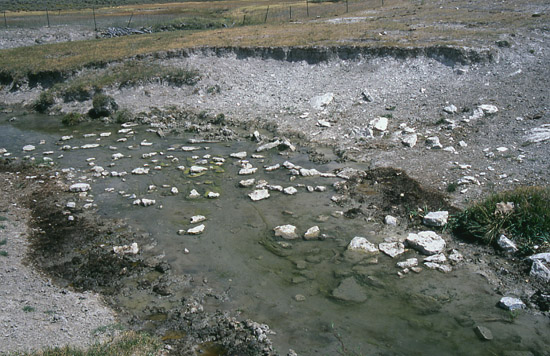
[(288, 284)]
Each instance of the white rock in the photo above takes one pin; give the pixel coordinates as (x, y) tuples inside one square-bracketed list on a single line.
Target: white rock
[(468, 180), (409, 139), (451, 109), (433, 142), (361, 244), (247, 183), (538, 134), (323, 123), (197, 219), (312, 233), (105, 134), (510, 303), (212, 195), (426, 242), (379, 123), (268, 146), (239, 155), (117, 156), (97, 169), (29, 148), (66, 138), (390, 220), (290, 190), (259, 194), (272, 168), (90, 145), (322, 101), (132, 249), (502, 149), (309, 172), (79, 187), (71, 205), (140, 171), (506, 244), (455, 257), (408, 263), (194, 194), (543, 257), (278, 188), (320, 188), (439, 258), (174, 190), (436, 218), (540, 270), (247, 171), (488, 109), (287, 232), (197, 169), (197, 230), (392, 249), (144, 202)]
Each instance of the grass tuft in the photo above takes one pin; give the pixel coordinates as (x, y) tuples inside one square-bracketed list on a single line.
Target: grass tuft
[(129, 343), (528, 223), (4, 253)]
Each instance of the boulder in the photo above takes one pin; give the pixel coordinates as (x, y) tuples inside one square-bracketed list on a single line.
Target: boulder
[(451, 109), (510, 303), (455, 257), (390, 220), (409, 140), (309, 172), (426, 242), (439, 258), (361, 244), (350, 291), (259, 194), (433, 143), (436, 218), (408, 263), (287, 232), (379, 123), (543, 257), (488, 109), (392, 249), (212, 195)]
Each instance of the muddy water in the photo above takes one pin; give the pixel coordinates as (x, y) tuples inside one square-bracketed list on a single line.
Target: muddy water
[(285, 284)]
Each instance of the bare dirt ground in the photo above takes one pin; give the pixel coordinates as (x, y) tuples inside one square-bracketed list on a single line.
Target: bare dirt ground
[(35, 313)]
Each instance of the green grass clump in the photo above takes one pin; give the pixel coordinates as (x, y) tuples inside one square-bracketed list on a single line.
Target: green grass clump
[(28, 309), (3, 242), (528, 224), (4, 253), (127, 344), (71, 119), (44, 101)]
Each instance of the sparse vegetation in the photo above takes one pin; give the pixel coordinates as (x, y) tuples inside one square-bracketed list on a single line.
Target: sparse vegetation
[(28, 309), (528, 223), (3, 242), (71, 119), (4, 253), (44, 102), (129, 343), (451, 187)]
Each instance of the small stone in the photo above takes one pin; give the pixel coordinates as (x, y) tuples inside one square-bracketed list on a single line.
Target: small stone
[(408, 263), (259, 194), (312, 233), (197, 230), (510, 303), (361, 244), (323, 123), (239, 155), (436, 218), (287, 232), (540, 271), (390, 220), (483, 333), (506, 244), (488, 109), (455, 257), (29, 148), (247, 171), (322, 101), (132, 249), (290, 190), (309, 172), (439, 258), (433, 143), (79, 187), (197, 169), (451, 109), (426, 242), (197, 219), (299, 298), (194, 194), (140, 171), (272, 168), (174, 190), (212, 195), (379, 123), (392, 249), (409, 140)]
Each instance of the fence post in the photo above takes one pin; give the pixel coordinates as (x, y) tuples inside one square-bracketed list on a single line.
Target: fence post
[(347, 9), (48, 17), (95, 23), (244, 19), (266, 12), (290, 12), (5, 20), (130, 20)]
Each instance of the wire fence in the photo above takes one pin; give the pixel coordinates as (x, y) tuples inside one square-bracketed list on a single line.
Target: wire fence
[(102, 18)]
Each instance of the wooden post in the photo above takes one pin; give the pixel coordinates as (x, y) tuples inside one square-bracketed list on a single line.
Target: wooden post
[(307, 8), (290, 12), (347, 9), (5, 20), (244, 19), (95, 23), (266, 12), (48, 17), (130, 20)]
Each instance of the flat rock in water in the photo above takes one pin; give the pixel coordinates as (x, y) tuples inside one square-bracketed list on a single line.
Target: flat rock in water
[(350, 291), (140, 171), (197, 219), (290, 190), (197, 230), (361, 244), (312, 233), (510, 303), (28, 148), (426, 242), (247, 171), (259, 194), (436, 218), (392, 249), (194, 194), (239, 155), (483, 333), (80, 187), (247, 183), (197, 169), (408, 263), (287, 232)]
